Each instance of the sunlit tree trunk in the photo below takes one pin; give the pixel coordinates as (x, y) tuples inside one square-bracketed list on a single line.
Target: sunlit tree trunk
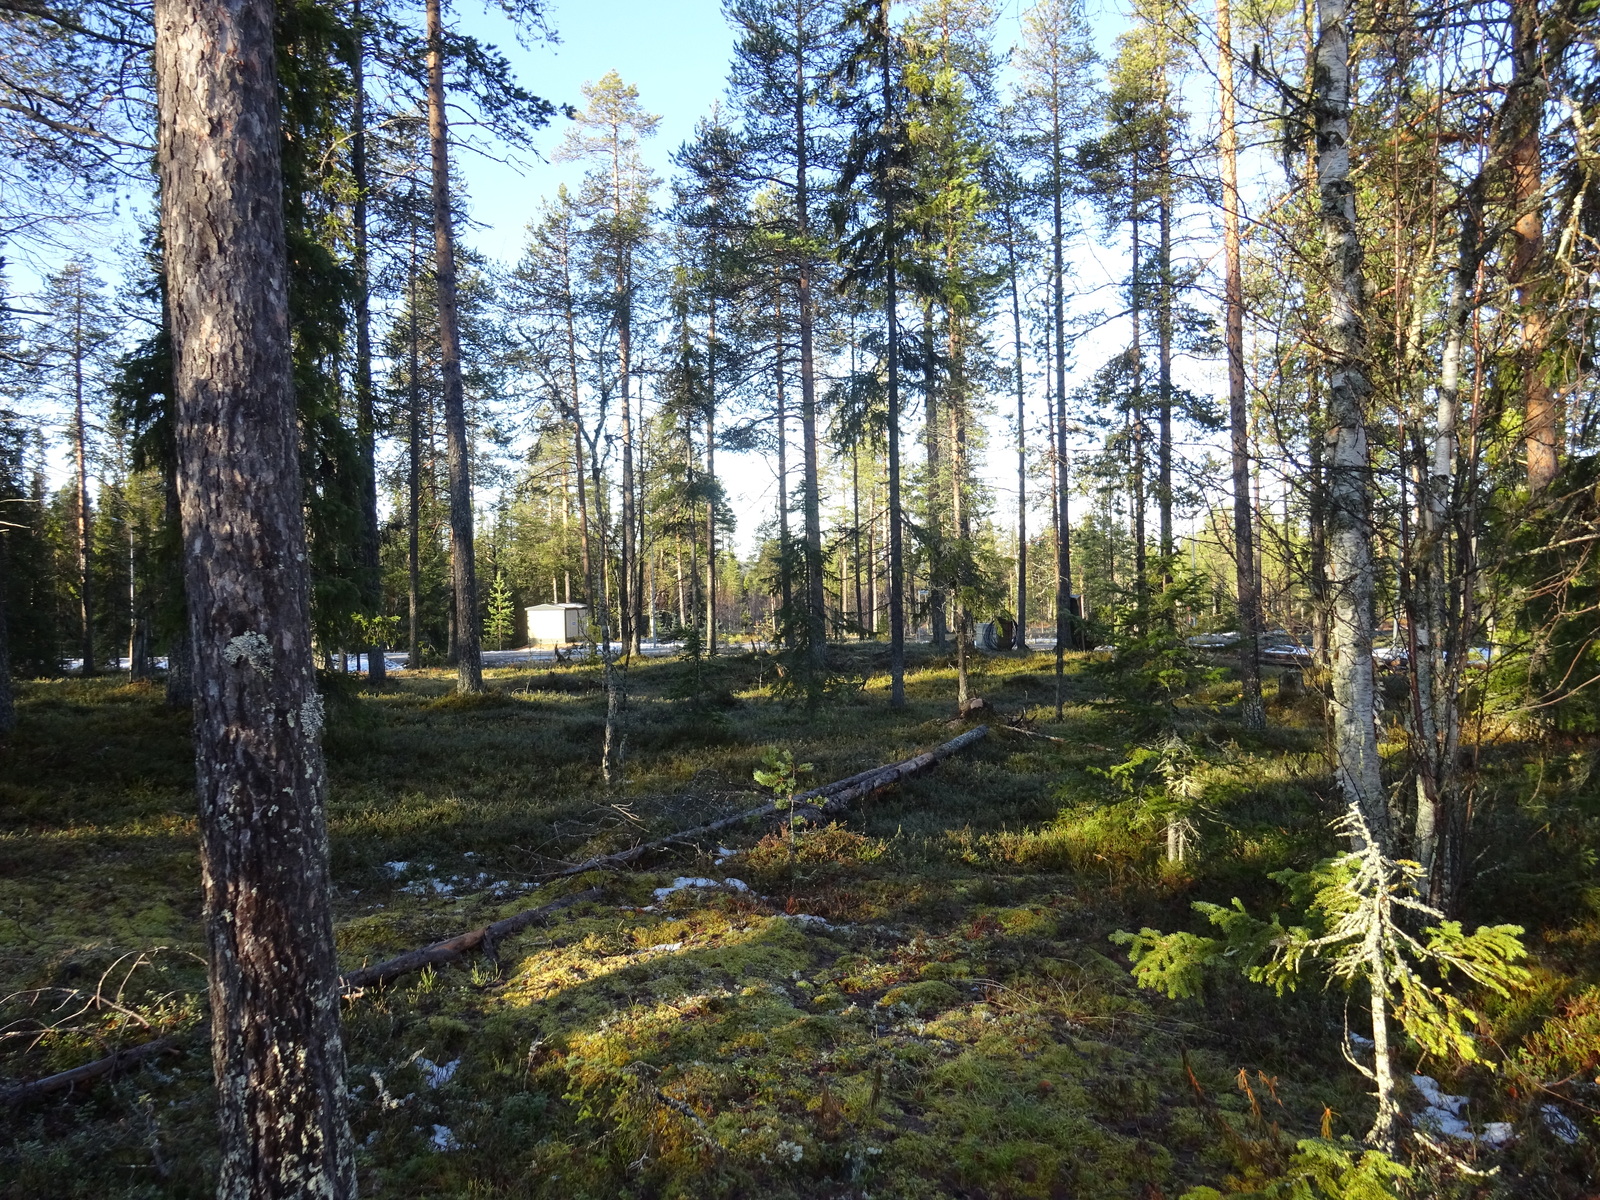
[(82, 515), (1058, 301), (1349, 516), (816, 610), (1021, 642), (1541, 404), (274, 985), (464, 570), (711, 480), (1252, 711), (413, 467)]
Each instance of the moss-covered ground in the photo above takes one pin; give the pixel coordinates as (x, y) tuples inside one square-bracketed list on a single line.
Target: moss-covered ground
[(920, 1000)]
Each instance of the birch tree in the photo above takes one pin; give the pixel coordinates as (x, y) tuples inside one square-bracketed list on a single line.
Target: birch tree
[(1349, 519)]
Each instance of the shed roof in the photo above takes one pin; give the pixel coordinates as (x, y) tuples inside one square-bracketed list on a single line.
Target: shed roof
[(553, 607)]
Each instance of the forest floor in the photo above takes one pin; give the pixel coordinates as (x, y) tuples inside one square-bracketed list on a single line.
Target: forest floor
[(918, 1000)]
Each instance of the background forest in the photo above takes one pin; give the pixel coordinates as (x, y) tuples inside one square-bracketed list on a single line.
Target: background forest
[(1242, 362)]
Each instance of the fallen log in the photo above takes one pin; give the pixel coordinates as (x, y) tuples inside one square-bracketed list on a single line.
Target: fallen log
[(487, 938), (63, 1081), (835, 797)]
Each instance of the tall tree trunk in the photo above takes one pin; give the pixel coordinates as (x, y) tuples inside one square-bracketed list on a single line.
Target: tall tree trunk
[(596, 595), (1141, 582), (1058, 301), (1442, 643), (961, 526), (1349, 518), (1164, 395), (938, 627), (816, 601), (81, 513), (414, 468), (366, 424), (785, 557), (1542, 405), (711, 480), (1021, 642), (274, 981), (463, 568), (624, 300), (1164, 301), (855, 533), (1252, 711), (891, 304)]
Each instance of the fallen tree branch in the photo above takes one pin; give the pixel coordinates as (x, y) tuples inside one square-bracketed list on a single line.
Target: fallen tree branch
[(835, 798), (62, 1081), (488, 938)]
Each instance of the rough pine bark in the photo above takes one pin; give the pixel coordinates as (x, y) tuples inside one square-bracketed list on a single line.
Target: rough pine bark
[(274, 990), (1541, 405), (463, 567), (1252, 710), (1348, 461)]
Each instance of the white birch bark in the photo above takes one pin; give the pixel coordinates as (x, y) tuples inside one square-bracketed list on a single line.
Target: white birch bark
[(1349, 517)]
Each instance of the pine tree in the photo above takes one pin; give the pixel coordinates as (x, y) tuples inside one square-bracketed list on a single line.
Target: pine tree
[(1051, 108), (617, 194), (72, 356), (274, 979), (875, 241), (501, 619)]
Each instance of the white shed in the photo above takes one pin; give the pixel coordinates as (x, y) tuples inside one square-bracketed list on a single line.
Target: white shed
[(557, 623)]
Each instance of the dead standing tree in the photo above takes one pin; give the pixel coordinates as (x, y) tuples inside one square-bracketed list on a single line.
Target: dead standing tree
[(274, 982)]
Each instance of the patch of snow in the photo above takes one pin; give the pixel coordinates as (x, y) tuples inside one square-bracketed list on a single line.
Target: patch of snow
[(737, 885), (723, 854), (1443, 1116), (1497, 1134), (1361, 1043), (667, 947), (1436, 1097), (696, 881), (435, 1075), (397, 868), (444, 1139), (1558, 1123)]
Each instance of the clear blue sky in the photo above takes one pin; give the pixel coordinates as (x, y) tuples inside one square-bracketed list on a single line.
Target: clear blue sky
[(676, 54)]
